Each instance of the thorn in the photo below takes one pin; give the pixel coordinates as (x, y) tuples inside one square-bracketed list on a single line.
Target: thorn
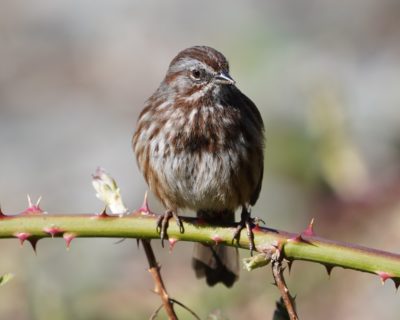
[(257, 221), (396, 282), (101, 215), (298, 238), (216, 238), (22, 236), (68, 237), (38, 201), (328, 268), (33, 242), (53, 230), (2, 215), (29, 201), (145, 209), (172, 242), (290, 264), (310, 229), (33, 208), (308, 232), (384, 276)]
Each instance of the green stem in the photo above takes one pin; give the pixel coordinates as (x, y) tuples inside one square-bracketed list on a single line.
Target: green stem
[(307, 247)]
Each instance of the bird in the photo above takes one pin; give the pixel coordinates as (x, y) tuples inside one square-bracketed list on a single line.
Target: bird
[(199, 142)]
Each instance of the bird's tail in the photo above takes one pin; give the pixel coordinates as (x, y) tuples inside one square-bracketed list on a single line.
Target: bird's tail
[(216, 263)]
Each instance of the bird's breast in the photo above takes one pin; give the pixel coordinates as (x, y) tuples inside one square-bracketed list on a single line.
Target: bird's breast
[(199, 170), (198, 159)]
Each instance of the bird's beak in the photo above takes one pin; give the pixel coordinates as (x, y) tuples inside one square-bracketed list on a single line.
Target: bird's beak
[(224, 78)]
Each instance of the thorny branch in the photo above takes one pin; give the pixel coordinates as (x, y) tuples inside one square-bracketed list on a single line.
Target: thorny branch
[(154, 270), (168, 303), (36, 225), (277, 272)]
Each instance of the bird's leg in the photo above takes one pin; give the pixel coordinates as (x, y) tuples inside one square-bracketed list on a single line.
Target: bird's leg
[(162, 224), (246, 221)]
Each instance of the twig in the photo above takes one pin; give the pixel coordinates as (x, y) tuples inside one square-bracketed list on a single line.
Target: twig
[(155, 313), (186, 308), (277, 271), (154, 270)]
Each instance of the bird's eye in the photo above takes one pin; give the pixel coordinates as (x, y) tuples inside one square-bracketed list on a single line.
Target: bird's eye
[(196, 74)]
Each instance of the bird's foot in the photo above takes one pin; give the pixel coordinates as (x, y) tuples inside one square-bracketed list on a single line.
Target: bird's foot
[(246, 221), (162, 224)]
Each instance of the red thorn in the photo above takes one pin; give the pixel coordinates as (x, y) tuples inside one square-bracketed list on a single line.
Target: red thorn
[(384, 276), (172, 242), (256, 226), (328, 268), (68, 237), (216, 238), (33, 242), (309, 232), (297, 238), (52, 230), (145, 209), (22, 236), (33, 209)]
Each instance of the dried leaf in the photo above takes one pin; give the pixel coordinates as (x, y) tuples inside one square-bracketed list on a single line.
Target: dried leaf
[(108, 191)]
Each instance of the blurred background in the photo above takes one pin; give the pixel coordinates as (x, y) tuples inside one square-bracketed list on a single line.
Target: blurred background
[(74, 77)]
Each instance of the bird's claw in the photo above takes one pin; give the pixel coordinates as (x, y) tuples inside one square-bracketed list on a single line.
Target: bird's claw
[(162, 224), (246, 221)]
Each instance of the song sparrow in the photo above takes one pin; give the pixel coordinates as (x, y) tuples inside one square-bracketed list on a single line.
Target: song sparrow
[(199, 143)]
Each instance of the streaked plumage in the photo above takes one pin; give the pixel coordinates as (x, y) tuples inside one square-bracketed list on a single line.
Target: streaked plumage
[(199, 143)]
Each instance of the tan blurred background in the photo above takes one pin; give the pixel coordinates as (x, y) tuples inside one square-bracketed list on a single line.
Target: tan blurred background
[(326, 78)]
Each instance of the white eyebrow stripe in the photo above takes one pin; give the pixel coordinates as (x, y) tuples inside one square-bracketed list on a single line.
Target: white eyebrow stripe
[(189, 63)]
